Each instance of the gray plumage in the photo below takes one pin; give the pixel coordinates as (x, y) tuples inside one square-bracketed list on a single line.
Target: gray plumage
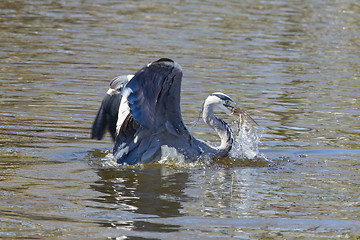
[(142, 113)]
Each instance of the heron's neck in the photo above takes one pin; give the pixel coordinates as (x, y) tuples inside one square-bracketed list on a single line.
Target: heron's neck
[(221, 128)]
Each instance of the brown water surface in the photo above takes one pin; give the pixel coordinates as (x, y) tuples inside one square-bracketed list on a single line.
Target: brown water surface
[(294, 65)]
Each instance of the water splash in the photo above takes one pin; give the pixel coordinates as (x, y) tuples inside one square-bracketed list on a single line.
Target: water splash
[(169, 157), (245, 147), (169, 154), (246, 143), (109, 160), (172, 158)]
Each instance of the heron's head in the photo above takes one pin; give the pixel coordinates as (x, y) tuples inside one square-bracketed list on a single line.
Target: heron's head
[(221, 100)]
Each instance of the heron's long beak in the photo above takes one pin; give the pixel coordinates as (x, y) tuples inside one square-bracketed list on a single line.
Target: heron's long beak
[(243, 115)]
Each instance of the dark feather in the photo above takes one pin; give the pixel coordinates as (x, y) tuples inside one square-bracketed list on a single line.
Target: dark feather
[(107, 115), (148, 86), (154, 98)]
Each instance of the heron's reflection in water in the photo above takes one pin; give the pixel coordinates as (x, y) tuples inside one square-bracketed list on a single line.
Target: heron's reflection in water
[(139, 194)]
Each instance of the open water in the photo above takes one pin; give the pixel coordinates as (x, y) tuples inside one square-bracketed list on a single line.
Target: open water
[(293, 65)]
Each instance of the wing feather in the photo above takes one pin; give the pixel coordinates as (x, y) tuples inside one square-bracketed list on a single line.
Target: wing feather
[(107, 115), (146, 86), (142, 112), (153, 89)]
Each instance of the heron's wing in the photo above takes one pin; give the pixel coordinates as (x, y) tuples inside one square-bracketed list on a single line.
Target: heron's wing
[(107, 114), (150, 99), (151, 87)]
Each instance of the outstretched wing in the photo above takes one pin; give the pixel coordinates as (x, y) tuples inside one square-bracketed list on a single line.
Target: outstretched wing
[(107, 115), (150, 103)]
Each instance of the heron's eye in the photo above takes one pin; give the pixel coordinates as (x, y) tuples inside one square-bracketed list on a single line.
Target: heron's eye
[(227, 102)]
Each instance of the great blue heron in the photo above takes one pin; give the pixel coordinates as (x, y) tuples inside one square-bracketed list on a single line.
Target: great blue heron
[(142, 113)]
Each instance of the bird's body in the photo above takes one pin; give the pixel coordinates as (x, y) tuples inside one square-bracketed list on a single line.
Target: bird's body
[(142, 113)]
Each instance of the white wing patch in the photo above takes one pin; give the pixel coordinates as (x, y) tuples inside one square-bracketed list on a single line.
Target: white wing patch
[(111, 91), (129, 77), (124, 109)]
